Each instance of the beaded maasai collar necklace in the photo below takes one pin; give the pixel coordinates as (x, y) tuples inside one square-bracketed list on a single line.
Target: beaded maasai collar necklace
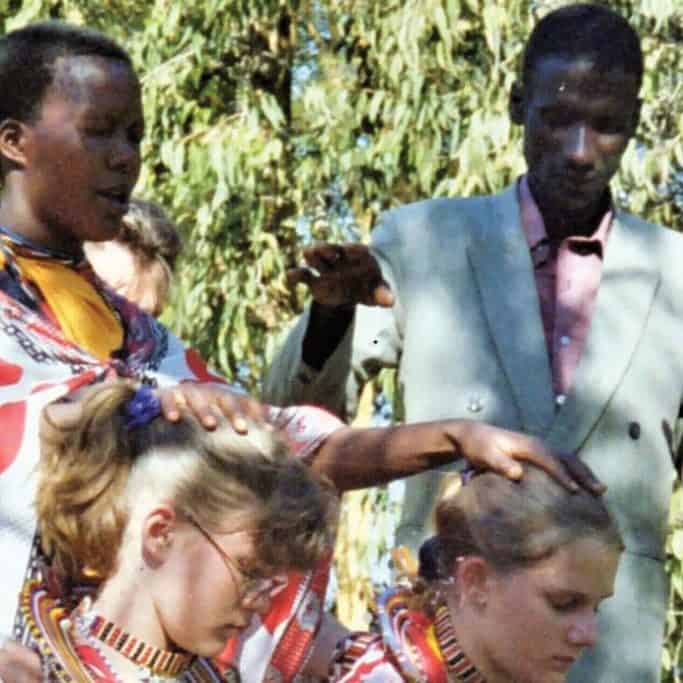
[(16, 242), (70, 653), (12, 279), (457, 662), (158, 662)]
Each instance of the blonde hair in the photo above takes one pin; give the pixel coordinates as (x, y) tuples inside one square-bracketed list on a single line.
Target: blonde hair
[(149, 232), (91, 471), (154, 243)]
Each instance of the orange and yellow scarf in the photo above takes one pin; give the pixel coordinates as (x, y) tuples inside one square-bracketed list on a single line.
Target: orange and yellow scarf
[(82, 313)]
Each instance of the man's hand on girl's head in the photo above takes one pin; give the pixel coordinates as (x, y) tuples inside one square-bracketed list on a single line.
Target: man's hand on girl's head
[(500, 450)]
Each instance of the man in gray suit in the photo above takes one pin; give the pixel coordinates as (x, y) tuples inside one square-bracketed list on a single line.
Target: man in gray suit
[(544, 308)]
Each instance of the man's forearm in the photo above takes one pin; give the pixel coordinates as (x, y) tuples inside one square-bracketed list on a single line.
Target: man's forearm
[(327, 326), (357, 458)]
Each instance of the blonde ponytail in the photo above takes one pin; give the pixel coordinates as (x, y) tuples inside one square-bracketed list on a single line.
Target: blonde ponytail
[(97, 467), (80, 500)]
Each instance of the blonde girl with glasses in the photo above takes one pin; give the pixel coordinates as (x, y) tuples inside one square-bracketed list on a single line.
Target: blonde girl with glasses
[(187, 534)]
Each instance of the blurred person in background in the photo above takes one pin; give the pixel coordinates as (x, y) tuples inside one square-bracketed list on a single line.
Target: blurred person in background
[(139, 262)]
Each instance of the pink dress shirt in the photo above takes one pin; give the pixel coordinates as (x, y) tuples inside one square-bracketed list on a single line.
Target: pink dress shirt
[(567, 280)]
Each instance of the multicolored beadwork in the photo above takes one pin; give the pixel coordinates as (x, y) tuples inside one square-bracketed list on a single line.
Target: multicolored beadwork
[(457, 662), (157, 661)]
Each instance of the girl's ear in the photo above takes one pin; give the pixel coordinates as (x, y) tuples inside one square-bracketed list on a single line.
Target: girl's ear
[(473, 577), (13, 136), (158, 531)]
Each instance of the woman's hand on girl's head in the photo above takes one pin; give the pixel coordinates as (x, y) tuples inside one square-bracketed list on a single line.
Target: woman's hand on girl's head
[(207, 403)]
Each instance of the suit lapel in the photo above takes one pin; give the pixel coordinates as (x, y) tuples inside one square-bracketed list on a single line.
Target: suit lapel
[(499, 255), (629, 282)]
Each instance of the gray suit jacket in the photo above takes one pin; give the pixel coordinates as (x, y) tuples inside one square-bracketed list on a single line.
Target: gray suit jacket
[(467, 339)]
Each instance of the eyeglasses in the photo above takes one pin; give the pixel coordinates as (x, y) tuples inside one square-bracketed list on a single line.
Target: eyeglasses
[(253, 586)]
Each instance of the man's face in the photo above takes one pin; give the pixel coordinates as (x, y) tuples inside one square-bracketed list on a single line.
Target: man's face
[(577, 122), (82, 153)]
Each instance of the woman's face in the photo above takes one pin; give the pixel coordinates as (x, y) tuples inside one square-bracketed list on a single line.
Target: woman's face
[(206, 590), (537, 620)]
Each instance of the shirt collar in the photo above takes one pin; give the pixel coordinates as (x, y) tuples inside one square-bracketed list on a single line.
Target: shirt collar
[(534, 226)]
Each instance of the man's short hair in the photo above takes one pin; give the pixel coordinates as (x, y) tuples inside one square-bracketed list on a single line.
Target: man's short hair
[(27, 58), (585, 30)]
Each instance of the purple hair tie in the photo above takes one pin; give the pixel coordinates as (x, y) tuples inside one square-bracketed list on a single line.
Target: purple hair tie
[(142, 408), (468, 473)]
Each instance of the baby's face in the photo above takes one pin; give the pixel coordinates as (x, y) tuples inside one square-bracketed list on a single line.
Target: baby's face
[(82, 153)]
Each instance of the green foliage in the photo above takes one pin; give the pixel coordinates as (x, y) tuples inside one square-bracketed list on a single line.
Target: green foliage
[(271, 123), (275, 122), (673, 653)]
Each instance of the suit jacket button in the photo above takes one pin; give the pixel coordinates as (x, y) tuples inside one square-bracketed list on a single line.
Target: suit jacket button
[(475, 404), (634, 431)]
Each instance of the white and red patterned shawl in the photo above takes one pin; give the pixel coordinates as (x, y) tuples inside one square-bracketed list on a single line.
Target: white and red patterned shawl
[(37, 366)]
